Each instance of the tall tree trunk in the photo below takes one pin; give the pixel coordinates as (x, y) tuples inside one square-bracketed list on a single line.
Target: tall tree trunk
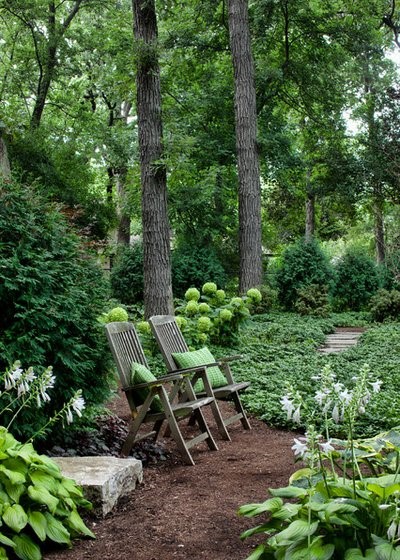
[(156, 238), (250, 249), (379, 230), (5, 171), (310, 209)]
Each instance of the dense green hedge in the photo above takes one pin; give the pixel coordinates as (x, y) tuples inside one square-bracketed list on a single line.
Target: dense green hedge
[(51, 294)]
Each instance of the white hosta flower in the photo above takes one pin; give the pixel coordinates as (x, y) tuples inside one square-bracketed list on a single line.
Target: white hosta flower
[(394, 531), (288, 406), (12, 378), (326, 447), (69, 416), (296, 415), (78, 405), (335, 414), (338, 387), (321, 396), (376, 385), (345, 396), (299, 448)]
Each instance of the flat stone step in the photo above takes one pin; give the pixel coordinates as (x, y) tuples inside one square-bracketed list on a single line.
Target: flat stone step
[(339, 341), (103, 479)]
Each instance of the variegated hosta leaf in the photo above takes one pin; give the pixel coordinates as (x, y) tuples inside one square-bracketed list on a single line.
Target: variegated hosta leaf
[(15, 517)]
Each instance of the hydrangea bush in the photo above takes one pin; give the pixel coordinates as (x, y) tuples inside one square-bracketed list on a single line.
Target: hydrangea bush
[(210, 315), (336, 509)]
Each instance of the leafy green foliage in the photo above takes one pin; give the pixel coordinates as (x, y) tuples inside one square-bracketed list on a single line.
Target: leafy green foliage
[(385, 304), (313, 300), (127, 274), (51, 294), (301, 264), (192, 266), (356, 281), (38, 504)]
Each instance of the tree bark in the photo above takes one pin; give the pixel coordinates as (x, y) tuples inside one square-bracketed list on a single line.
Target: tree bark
[(250, 249), (5, 170), (379, 229), (156, 238), (310, 209)]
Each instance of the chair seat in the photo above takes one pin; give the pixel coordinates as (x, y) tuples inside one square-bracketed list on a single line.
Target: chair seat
[(192, 405), (227, 390)]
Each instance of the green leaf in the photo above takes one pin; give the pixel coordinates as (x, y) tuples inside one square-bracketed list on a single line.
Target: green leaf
[(297, 530), (257, 553), (25, 451), (38, 522), (42, 496), (356, 554), (289, 492), (40, 478), (387, 551), (250, 510), (56, 531), (301, 473), (25, 548), (15, 517), (76, 523), (14, 491), (5, 540), (13, 476), (3, 553), (49, 466), (71, 486)]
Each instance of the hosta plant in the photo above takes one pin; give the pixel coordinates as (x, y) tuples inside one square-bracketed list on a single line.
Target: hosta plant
[(37, 503), (331, 508)]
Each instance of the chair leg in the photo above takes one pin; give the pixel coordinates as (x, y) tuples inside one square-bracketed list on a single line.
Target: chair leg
[(220, 421), (176, 434), (133, 430), (239, 407), (199, 418)]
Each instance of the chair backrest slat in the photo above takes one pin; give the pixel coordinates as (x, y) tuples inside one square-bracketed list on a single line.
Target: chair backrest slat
[(169, 338), (126, 349)]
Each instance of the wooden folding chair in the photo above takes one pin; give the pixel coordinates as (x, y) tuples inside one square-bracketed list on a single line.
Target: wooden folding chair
[(171, 341), (127, 351)]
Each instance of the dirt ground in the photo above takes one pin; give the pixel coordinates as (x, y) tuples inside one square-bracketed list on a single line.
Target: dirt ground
[(181, 512)]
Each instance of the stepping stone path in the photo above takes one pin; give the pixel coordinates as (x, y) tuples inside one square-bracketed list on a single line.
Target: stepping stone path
[(340, 340)]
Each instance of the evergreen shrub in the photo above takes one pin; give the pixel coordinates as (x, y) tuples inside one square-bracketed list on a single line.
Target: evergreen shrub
[(301, 265), (356, 281), (126, 276), (385, 304), (313, 300), (51, 293), (192, 266)]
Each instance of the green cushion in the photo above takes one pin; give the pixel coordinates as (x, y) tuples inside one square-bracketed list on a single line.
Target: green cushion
[(200, 358), (140, 374)]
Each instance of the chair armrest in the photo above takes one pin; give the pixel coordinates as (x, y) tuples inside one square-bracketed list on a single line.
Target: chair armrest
[(230, 358), (193, 369), (160, 381)]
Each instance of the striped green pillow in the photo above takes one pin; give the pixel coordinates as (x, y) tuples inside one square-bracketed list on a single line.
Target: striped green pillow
[(140, 374), (200, 358)]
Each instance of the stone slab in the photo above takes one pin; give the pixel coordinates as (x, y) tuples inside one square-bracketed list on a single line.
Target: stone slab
[(103, 479)]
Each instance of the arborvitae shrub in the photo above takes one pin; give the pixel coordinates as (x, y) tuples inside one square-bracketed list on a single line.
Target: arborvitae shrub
[(302, 264), (51, 294), (192, 266), (356, 281), (127, 274)]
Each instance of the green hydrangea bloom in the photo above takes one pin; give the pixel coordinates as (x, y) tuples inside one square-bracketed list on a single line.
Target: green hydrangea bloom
[(181, 322), (204, 308), (254, 295), (209, 288), (191, 307), (220, 295), (237, 302), (202, 338), (143, 327), (117, 314), (204, 324), (192, 294), (225, 315)]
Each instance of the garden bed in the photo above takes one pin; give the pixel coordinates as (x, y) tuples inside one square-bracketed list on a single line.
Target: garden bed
[(182, 512)]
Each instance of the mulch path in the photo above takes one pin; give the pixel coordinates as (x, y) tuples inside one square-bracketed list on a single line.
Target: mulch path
[(182, 512)]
